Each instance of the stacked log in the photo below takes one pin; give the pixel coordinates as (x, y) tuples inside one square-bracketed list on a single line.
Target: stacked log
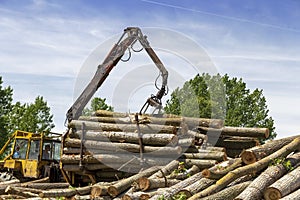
[(113, 142)]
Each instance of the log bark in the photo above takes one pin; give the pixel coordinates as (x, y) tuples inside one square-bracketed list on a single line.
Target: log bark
[(251, 168), (256, 189), (145, 183), (157, 139), (14, 181), (124, 184), (196, 187), (256, 153), (209, 155), (284, 186), (294, 195), (65, 192), (237, 131), (228, 193), (145, 128)]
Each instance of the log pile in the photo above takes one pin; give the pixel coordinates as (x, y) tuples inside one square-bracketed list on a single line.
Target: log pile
[(124, 156)]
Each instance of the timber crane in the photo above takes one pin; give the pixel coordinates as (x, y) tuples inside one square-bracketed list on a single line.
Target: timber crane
[(130, 36)]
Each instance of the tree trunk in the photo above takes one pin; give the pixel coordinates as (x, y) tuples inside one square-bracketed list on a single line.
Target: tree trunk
[(122, 185), (145, 128), (284, 186), (256, 189), (157, 139), (209, 155), (122, 147), (145, 183), (251, 168), (236, 131), (228, 193), (256, 153)]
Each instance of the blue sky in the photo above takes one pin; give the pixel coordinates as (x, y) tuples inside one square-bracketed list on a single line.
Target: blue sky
[(44, 46)]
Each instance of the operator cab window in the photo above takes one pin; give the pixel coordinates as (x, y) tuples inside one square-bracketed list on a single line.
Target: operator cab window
[(51, 150), (34, 150), (20, 150)]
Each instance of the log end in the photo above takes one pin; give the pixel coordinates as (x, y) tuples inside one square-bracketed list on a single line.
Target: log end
[(126, 197), (185, 193), (144, 183), (248, 157), (272, 193), (144, 197), (205, 173), (113, 191)]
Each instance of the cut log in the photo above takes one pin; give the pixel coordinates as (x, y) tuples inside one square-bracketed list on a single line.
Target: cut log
[(45, 186), (228, 193), (122, 147), (155, 139), (17, 191), (133, 196), (168, 119), (220, 172), (183, 175), (256, 153), (256, 189), (65, 192), (10, 182), (284, 186), (149, 128), (251, 168), (294, 195), (201, 164), (99, 190), (145, 183), (166, 170), (196, 187), (124, 184), (209, 155), (237, 142), (171, 191), (236, 131)]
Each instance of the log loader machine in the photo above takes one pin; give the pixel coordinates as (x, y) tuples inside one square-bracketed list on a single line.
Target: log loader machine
[(31, 156), (130, 36)]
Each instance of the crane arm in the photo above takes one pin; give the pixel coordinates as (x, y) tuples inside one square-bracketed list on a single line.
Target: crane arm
[(134, 34)]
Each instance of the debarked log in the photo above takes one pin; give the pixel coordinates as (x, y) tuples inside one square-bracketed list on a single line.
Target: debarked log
[(256, 153), (144, 128), (123, 147), (155, 139)]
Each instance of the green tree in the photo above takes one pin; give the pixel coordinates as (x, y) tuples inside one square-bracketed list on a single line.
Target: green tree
[(31, 117), (221, 97), (97, 103), (5, 108)]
